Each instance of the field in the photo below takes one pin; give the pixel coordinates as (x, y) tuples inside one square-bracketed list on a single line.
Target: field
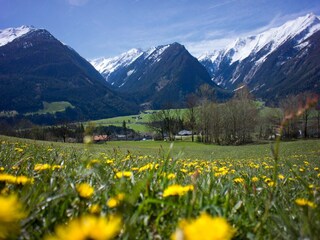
[(53, 107), (158, 190), (134, 122)]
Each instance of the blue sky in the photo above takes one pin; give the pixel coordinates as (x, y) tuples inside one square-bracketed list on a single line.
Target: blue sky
[(96, 28)]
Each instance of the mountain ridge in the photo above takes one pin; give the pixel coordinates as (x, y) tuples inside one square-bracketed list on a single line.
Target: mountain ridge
[(36, 67), (253, 60)]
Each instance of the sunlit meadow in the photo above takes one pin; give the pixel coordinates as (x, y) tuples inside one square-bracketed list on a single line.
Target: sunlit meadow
[(52, 191)]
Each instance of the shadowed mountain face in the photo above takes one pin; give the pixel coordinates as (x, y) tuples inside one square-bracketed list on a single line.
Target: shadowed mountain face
[(36, 67), (160, 76)]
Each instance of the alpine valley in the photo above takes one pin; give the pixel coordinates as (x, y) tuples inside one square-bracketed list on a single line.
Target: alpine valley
[(36, 68)]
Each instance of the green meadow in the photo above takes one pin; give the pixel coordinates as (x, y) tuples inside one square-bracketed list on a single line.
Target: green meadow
[(159, 190)]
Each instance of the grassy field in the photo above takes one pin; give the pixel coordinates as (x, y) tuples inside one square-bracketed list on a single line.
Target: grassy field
[(158, 190), (135, 122), (53, 107)]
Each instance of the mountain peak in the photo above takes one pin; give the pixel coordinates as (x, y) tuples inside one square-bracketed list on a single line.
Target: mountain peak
[(241, 48), (9, 34)]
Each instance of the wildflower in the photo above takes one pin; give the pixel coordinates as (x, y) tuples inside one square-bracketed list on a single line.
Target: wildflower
[(149, 166), (280, 176), (124, 174), (238, 180), (15, 179), (1, 168), (92, 163), (305, 202), (95, 209), (11, 212), (169, 176), (115, 201), (54, 167), (109, 161), (18, 149), (204, 227), (316, 169), (177, 190), (23, 180), (41, 167), (85, 190), (271, 184), (88, 227), (254, 179)]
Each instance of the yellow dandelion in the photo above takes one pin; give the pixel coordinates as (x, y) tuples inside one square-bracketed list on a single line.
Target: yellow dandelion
[(85, 190), (95, 209), (15, 179), (88, 227), (254, 179), (238, 180), (109, 161), (11, 212), (54, 167), (115, 201), (176, 189), (41, 167), (126, 174), (280, 176), (271, 184), (17, 149), (92, 163), (1, 168), (23, 180), (305, 202), (204, 227), (171, 176)]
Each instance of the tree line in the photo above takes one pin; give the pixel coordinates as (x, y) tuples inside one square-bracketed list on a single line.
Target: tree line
[(239, 120)]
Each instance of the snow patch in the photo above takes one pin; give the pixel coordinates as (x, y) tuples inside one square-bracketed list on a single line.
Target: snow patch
[(109, 65), (270, 40), (129, 73), (9, 34)]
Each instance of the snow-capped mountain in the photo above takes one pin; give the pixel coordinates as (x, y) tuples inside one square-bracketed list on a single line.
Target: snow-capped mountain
[(156, 77), (252, 60), (35, 67), (113, 68), (9, 34), (107, 66)]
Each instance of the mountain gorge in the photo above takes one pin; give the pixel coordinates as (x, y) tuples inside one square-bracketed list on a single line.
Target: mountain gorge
[(275, 63)]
